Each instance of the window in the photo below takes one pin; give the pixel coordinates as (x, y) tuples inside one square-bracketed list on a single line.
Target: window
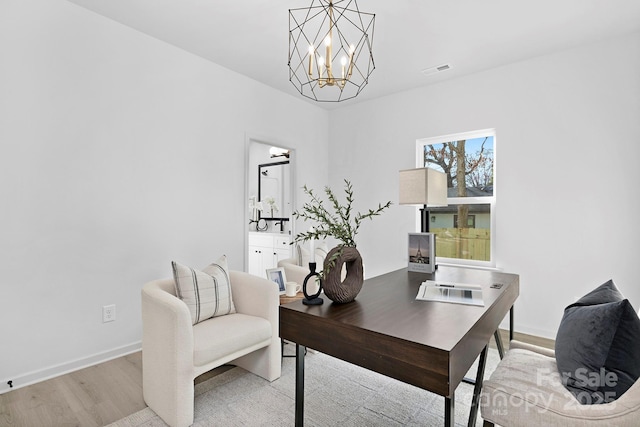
[(465, 228), (471, 221)]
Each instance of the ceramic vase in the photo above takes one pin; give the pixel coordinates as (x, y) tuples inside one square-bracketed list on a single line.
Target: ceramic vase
[(336, 289)]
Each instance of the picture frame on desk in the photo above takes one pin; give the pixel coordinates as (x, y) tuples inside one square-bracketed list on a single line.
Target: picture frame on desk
[(422, 252), (277, 275)]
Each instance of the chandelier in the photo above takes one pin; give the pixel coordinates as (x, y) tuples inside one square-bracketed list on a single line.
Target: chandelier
[(330, 49)]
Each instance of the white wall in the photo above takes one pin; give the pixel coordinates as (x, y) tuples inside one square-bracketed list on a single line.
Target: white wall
[(568, 175), (119, 153)]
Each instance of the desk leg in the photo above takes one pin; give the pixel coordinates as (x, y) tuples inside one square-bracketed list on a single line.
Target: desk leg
[(498, 338), (511, 324), (300, 350), (449, 411), (473, 414)]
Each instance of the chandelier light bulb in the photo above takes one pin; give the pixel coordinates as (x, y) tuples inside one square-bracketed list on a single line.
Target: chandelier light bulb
[(327, 60), (311, 51)]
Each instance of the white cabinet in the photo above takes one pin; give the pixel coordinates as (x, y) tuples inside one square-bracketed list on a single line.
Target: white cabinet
[(255, 261), (281, 247), (265, 250)]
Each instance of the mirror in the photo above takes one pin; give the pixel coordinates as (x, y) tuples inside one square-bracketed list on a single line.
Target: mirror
[(270, 176), (279, 182), (273, 190)]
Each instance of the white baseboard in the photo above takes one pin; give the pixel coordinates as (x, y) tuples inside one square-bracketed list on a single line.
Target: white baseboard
[(64, 368)]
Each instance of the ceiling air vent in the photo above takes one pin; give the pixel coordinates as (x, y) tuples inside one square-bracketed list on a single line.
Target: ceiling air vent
[(437, 69)]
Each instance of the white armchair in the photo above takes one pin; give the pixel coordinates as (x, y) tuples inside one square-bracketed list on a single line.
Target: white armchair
[(295, 272), (174, 351), (297, 268)]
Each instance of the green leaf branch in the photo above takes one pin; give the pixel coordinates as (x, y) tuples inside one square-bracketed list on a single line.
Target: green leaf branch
[(339, 223)]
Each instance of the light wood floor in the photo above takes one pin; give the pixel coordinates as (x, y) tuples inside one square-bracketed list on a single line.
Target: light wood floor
[(531, 339), (104, 393), (94, 396)]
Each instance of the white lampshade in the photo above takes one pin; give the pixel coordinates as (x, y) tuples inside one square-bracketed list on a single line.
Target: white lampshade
[(423, 186)]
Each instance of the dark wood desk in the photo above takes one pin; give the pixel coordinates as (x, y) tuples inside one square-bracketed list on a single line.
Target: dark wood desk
[(430, 345), (286, 300)]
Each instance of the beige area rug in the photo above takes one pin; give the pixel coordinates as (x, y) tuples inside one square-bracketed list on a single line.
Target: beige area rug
[(337, 393)]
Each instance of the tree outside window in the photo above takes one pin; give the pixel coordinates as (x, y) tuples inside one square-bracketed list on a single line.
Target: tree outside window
[(464, 228)]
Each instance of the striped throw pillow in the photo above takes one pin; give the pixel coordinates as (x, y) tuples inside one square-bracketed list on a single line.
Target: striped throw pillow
[(207, 293)]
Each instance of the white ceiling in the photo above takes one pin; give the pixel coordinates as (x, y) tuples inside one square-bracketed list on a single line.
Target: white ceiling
[(251, 36)]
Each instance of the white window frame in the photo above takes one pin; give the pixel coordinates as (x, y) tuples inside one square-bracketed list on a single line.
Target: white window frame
[(486, 200)]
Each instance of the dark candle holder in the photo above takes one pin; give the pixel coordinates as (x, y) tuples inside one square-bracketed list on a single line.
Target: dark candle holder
[(312, 299)]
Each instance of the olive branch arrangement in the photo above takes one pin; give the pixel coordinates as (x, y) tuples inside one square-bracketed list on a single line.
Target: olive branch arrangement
[(340, 224)]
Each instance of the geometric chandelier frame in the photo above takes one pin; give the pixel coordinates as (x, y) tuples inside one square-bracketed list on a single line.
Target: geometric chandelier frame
[(330, 49)]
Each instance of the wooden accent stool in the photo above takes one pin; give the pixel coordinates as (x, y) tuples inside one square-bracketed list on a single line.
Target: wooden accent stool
[(286, 300)]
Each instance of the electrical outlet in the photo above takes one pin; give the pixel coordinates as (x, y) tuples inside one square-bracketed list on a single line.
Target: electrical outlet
[(108, 313)]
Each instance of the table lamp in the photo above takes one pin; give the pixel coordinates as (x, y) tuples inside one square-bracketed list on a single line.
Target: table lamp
[(423, 186)]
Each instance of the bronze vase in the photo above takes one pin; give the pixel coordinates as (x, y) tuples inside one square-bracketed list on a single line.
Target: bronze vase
[(336, 289)]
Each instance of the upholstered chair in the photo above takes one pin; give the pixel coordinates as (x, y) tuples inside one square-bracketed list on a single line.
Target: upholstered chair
[(526, 390), (174, 351), (297, 268), (293, 271), (590, 379)]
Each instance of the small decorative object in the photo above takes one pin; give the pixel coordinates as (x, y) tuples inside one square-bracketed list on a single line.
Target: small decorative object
[(347, 290), (261, 225), (422, 258), (455, 293), (341, 225), (271, 202), (315, 298), (255, 208), (292, 289), (277, 275)]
